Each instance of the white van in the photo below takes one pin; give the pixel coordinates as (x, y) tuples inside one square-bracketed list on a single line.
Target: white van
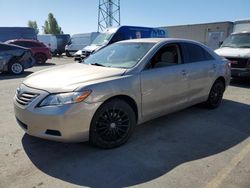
[(79, 41), (236, 48), (49, 40)]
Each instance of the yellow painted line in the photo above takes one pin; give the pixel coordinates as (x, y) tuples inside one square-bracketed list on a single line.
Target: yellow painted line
[(214, 183)]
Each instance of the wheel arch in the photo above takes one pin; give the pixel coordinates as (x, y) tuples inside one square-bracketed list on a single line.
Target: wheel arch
[(6, 66), (221, 78), (131, 102), (41, 54)]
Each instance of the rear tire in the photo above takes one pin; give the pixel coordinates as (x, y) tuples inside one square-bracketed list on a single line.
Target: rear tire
[(68, 54), (15, 67), (112, 124), (216, 94), (40, 59)]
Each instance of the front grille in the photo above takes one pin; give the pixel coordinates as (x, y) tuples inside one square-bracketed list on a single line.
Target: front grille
[(238, 62), (25, 98), (85, 53)]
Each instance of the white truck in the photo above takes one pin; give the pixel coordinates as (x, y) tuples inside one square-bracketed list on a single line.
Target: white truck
[(49, 40), (79, 41), (236, 48)]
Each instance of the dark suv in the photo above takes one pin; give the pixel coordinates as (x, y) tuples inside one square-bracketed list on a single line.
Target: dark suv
[(40, 52)]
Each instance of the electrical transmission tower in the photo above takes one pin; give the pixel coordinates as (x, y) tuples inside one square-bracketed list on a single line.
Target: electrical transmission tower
[(108, 14)]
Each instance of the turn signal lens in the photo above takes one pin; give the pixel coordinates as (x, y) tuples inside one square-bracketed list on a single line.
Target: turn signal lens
[(82, 97)]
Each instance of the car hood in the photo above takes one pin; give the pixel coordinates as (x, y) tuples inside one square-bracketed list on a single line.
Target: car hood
[(66, 78), (233, 52), (91, 48), (79, 52)]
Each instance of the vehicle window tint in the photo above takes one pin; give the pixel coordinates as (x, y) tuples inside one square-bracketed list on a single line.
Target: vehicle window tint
[(166, 56), (195, 53), (4, 47), (19, 43), (26, 44), (29, 44), (117, 37)]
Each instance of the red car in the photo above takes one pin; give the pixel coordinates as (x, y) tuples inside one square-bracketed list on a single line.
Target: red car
[(40, 52)]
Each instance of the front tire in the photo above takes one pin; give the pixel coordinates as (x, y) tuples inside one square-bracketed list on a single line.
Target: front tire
[(112, 124), (68, 54), (15, 68), (216, 94)]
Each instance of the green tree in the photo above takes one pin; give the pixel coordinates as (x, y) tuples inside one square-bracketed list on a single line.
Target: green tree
[(51, 26), (33, 25)]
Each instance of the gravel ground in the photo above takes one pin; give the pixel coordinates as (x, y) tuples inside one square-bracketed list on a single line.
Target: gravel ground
[(192, 148)]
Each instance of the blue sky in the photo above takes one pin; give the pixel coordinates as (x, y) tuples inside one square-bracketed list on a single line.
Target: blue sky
[(80, 16)]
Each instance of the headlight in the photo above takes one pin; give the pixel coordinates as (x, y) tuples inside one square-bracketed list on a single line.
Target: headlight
[(64, 98)]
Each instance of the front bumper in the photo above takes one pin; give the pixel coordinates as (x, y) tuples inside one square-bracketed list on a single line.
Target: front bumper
[(77, 57), (67, 123), (240, 72), (71, 52)]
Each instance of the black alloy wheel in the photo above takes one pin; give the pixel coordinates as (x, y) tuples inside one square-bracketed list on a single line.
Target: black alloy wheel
[(216, 94), (112, 124)]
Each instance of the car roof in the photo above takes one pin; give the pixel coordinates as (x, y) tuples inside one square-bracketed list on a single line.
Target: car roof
[(24, 40), (159, 40)]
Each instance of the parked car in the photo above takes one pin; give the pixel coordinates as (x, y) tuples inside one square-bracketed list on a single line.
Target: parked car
[(50, 41), (62, 41), (236, 48), (79, 41), (124, 84), (40, 52), (14, 59), (112, 35)]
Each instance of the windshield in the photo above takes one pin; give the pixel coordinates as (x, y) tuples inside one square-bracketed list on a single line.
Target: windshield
[(237, 41), (119, 55), (102, 39)]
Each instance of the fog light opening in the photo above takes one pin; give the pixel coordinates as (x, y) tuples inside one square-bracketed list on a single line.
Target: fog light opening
[(53, 132)]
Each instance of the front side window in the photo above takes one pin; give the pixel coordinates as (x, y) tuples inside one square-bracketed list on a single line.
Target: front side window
[(119, 55), (167, 56)]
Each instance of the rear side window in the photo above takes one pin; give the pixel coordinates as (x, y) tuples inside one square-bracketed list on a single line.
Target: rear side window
[(195, 53)]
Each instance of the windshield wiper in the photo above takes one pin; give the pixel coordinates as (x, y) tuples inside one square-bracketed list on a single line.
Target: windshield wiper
[(98, 64)]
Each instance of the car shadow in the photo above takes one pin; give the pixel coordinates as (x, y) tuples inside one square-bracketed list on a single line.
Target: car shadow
[(155, 148), (7, 76), (240, 82)]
